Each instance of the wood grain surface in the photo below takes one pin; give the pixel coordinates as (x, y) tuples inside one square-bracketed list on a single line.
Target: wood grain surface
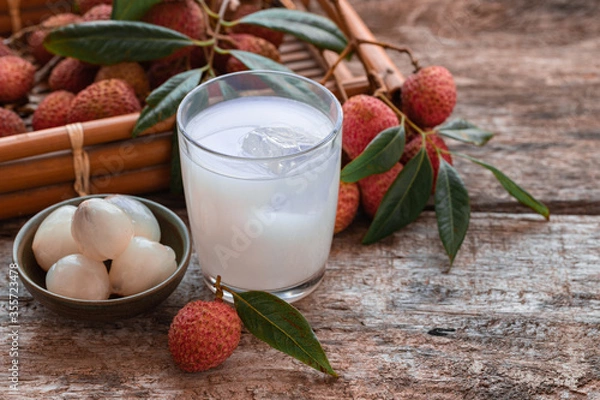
[(517, 316)]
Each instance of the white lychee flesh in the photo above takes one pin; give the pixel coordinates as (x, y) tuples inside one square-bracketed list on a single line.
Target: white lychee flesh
[(143, 265), (79, 277), (53, 239), (144, 222), (101, 229)]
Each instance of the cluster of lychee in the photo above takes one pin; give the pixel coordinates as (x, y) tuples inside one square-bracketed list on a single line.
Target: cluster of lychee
[(428, 99), (76, 91), (75, 244)]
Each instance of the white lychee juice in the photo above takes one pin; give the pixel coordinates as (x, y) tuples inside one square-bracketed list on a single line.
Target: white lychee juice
[(261, 177)]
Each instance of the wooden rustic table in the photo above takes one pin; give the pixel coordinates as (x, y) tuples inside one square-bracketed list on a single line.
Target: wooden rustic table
[(517, 317)]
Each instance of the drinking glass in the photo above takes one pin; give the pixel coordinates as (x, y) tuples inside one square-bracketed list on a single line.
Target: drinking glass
[(260, 159)]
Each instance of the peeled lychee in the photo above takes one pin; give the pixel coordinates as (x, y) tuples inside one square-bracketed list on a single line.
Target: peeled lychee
[(79, 277), (203, 335), (131, 72), (16, 77), (184, 16), (142, 265), (144, 222), (374, 187), (72, 75), (53, 239), (252, 44), (429, 96), (10, 123), (53, 110), (347, 206), (101, 229), (365, 117), (432, 142), (103, 99)]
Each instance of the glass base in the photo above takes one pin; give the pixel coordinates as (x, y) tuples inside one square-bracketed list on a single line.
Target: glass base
[(289, 294)]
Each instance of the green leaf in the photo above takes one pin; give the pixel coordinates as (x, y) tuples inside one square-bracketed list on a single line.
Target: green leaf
[(309, 27), (452, 208), (256, 61), (381, 154), (465, 131), (111, 42), (513, 189), (404, 200), (290, 87), (131, 10), (277, 323), (162, 103)]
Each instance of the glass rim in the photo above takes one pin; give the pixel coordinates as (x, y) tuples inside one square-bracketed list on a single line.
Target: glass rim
[(336, 129)]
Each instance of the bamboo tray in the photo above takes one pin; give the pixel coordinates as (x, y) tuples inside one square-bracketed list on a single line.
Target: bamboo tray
[(38, 169)]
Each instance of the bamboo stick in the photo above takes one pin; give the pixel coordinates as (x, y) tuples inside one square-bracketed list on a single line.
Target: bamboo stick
[(57, 139), (374, 55), (104, 160), (26, 202)]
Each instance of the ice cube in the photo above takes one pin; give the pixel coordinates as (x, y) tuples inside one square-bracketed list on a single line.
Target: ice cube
[(274, 142)]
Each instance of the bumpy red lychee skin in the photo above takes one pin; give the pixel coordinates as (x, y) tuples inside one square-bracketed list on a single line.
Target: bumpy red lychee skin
[(374, 187), (53, 110), (16, 78), (203, 335), (347, 206), (103, 99), (100, 12), (433, 140), (183, 16), (275, 37), (72, 75), (253, 44), (10, 123), (429, 96), (131, 72), (365, 117), (35, 40), (85, 5)]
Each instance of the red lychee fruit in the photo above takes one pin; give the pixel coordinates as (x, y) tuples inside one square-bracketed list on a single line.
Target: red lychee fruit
[(429, 96), (131, 72), (72, 75), (16, 78), (100, 12), (85, 5), (53, 110), (275, 37), (10, 123), (103, 99), (35, 40), (253, 44), (203, 335), (184, 16), (432, 142), (365, 117), (374, 187), (347, 205)]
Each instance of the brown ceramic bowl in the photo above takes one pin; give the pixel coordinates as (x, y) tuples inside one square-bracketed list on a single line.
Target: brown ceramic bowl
[(174, 233)]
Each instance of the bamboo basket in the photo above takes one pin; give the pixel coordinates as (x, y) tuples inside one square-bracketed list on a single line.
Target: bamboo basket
[(40, 168)]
